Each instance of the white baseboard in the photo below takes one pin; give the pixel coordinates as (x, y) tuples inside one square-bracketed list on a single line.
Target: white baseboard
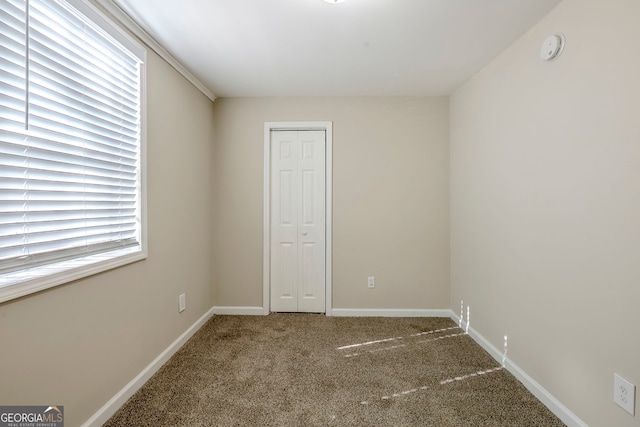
[(553, 404), (242, 311), (110, 408), (389, 312)]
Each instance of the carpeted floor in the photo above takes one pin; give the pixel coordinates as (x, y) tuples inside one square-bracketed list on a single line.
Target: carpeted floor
[(312, 370)]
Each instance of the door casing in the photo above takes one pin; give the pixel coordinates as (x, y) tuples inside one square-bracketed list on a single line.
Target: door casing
[(266, 249)]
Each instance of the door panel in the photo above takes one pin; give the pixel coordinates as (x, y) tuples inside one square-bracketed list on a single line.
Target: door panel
[(308, 198), (287, 264), (298, 220), (287, 201), (308, 270)]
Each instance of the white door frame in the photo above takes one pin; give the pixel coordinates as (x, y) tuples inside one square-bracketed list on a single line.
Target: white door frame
[(266, 260)]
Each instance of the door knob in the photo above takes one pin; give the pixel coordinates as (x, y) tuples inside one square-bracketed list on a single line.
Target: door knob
[(304, 233)]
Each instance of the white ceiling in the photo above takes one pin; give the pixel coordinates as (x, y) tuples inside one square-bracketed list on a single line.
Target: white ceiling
[(312, 48)]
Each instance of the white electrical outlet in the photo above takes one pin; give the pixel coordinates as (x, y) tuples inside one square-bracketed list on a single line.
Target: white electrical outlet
[(371, 282), (624, 394), (182, 303)]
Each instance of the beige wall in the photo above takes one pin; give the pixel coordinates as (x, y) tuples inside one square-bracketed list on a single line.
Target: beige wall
[(545, 200), (545, 236), (390, 198), (78, 344)]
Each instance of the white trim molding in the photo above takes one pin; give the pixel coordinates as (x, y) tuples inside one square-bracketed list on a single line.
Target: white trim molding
[(547, 399), (238, 311), (110, 408), (390, 312), (266, 262), (129, 23)]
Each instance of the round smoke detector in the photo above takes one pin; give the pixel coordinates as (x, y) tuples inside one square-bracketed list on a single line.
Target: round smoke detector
[(552, 47)]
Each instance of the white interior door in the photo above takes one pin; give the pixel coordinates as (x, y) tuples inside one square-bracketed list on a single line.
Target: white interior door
[(297, 262)]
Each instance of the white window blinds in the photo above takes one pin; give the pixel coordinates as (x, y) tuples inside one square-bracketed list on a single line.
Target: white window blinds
[(69, 137)]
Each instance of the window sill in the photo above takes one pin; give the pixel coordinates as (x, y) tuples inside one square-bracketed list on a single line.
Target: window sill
[(22, 283)]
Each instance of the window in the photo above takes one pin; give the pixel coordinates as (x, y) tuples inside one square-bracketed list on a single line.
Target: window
[(71, 140)]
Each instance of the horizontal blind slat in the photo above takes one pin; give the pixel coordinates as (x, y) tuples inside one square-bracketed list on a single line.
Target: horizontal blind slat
[(16, 143), (17, 182), (57, 141), (14, 228), (54, 162), (65, 230), (44, 206), (45, 216), (63, 178)]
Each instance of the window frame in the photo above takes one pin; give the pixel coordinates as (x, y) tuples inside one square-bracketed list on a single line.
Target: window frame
[(25, 282)]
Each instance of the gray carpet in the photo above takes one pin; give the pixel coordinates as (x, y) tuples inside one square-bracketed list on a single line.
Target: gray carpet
[(312, 370)]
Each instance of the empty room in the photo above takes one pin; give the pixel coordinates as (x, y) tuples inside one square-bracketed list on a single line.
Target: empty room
[(319, 213)]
